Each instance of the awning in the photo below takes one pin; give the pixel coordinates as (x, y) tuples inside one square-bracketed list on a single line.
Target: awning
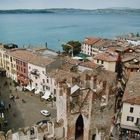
[(46, 95), (30, 88), (74, 89), (133, 128), (37, 91)]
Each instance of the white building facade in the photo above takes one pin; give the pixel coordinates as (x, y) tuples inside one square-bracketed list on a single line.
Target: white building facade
[(130, 113), (88, 46), (130, 116), (107, 59), (134, 42), (108, 65), (37, 77)]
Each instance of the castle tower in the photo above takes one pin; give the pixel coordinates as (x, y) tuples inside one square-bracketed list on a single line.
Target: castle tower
[(86, 111)]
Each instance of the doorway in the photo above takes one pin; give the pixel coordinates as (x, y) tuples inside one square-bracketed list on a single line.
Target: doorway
[(93, 137), (79, 128)]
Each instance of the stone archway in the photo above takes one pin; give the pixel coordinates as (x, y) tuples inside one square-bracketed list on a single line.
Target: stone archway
[(79, 128)]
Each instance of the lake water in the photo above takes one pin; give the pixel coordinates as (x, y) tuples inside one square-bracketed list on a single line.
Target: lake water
[(55, 29)]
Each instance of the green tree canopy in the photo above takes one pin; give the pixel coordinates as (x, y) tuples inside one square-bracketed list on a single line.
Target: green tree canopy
[(75, 45)]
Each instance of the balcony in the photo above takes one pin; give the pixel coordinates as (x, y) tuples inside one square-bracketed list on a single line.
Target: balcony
[(35, 72)]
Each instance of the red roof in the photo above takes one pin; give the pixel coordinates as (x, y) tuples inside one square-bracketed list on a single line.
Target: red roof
[(131, 93), (91, 40), (107, 56)]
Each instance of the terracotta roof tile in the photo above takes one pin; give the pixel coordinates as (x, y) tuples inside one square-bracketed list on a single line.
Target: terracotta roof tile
[(21, 54), (129, 65), (131, 93), (91, 40), (107, 56), (113, 49), (89, 64), (61, 75), (30, 57), (104, 43), (40, 61)]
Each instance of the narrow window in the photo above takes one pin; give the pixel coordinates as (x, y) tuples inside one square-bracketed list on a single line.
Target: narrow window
[(43, 80), (24, 64), (102, 62), (131, 109), (24, 71), (11, 59), (138, 121)]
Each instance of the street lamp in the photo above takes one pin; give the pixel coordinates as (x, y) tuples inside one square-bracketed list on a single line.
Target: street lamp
[(69, 46)]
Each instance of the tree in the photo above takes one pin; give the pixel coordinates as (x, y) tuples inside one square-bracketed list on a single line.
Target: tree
[(72, 47)]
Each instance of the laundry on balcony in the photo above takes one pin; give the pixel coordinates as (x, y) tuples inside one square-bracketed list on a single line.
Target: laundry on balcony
[(46, 95), (29, 87)]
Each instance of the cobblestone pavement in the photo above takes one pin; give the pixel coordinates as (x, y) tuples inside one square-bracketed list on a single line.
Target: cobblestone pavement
[(23, 114)]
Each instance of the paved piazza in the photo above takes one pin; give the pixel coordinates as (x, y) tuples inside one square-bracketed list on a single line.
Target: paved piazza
[(23, 114)]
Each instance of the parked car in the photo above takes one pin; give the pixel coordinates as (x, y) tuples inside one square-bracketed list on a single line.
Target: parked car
[(42, 122), (45, 113)]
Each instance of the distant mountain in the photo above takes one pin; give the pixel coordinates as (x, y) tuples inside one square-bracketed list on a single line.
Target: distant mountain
[(119, 8), (25, 11), (74, 11), (118, 11)]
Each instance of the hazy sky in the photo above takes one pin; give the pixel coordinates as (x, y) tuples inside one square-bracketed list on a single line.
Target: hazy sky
[(83, 4)]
